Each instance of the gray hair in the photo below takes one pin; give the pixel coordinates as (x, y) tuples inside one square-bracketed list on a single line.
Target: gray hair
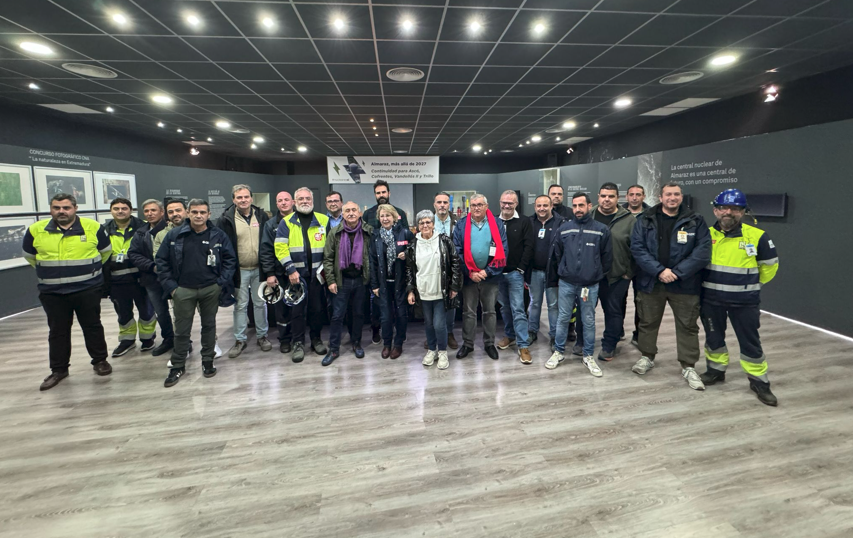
[(510, 191), (425, 214), (152, 201), (198, 202), (303, 189), (240, 187), (477, 197)]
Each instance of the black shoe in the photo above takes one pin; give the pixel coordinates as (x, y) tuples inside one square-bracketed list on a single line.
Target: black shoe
[(102, 368), (330, 358), (147, 345), (123, 347), (356, 348), (377, 338), (463, 351), (319, 347), (762, 390), (532, 337), (285, 347), (492, 352), (298, 352), (174, 376), (208, 369), (712, 376), (53, 379), (164, 347)]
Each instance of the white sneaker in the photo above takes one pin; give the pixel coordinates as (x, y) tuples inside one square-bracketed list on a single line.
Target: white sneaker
[(554, 360), (217, 351), (429, 358), (643, 365), (592, 366), (692, 378), (443, 363)]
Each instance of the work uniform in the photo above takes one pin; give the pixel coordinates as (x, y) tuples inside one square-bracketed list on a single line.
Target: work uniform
[(69, 267), (742, 260), (124, 287)]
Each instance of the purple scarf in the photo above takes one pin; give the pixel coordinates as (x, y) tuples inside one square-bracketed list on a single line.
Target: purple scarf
[(352, 254)]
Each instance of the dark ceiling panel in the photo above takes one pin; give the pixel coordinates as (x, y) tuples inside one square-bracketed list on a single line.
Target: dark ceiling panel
[(667, 30), (605, 28), (405, 53), (225, 50)]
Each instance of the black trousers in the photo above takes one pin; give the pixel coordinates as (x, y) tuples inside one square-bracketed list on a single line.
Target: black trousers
[(60, 310), (284, 322), (310, 310), (350, 297)]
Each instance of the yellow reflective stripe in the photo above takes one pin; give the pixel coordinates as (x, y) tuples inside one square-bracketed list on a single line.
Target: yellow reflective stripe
[(733, 270), (727, 287), (754, 367), (67, 263), (125, 271), (70, 279), (718, 356)]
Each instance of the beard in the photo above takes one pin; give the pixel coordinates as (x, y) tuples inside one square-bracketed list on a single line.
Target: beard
[(382, 200), (305, 209)]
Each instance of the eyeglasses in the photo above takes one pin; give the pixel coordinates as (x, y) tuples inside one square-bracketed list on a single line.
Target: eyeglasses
[(425, 223), (477, 206)]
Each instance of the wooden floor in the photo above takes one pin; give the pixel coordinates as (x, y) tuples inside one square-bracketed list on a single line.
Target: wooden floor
[(381, 448)]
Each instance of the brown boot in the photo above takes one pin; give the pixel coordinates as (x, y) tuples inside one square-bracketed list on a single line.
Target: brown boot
[(451, 341), (53, 379), (396, 352), (524, 356), (386, 352), (102, 368)]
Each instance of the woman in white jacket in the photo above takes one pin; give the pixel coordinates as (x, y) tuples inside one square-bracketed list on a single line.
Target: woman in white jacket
[(434, 279)]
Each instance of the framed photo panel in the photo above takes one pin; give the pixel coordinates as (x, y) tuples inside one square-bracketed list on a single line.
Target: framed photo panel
[(12, 230), (16, 189), (52, 181), (110, 186)]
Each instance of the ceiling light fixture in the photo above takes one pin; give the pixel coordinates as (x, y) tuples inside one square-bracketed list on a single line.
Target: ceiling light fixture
[(371, 120), (558, 139), (527, 142), (521, 145), (536, 138), (623, 102), (253, 146), (89, 70), (595, 126), (374, 127), (119, 18), (193, 19), (407, 25), (34, 86), (180, 130), (539, 29), (36, 48), (194, 151), (377, 134), (268, 22), (258, 140), (209, 139), (569, 125), (475, 26), (110, 109), (302, 149), (771, 94), (401, 130), (723, 60), (477, 147), (339, 23), (162, 99), (161, 124), (222, 124)]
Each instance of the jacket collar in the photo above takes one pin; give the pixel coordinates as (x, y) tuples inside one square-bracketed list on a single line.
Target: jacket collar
[(156, 229), (75, 229), (620, 211), (737, 231), (134, 224), (583, 220), (294, 219), (187, 228)]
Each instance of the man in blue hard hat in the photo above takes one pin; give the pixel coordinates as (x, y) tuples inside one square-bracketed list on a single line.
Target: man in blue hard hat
[(743, 258)]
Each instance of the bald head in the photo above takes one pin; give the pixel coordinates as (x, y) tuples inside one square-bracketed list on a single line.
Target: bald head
[(284, 202)]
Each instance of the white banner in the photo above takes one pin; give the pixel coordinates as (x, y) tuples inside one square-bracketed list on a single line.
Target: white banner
[(404, 169)]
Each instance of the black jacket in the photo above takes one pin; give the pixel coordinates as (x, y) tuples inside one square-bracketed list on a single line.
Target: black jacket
[(141, 253), (581, 254), (371, 217), (686, 259), (115, 272), (170, 258), (270, 266), (519, 237), (450, 268), (226, 224), (563, 211), (379, 262), (542, 247)]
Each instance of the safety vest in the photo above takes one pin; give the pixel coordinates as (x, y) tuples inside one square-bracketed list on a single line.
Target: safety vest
[(67, 261), (120, 268), (741, 262), (290, 246)]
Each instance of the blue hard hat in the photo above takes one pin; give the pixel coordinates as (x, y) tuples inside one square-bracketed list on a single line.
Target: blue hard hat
[(731, 197)]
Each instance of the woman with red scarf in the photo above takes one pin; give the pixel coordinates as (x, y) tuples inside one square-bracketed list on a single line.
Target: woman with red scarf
[(481, 242)]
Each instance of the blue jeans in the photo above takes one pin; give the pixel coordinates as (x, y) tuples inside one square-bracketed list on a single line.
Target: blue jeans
[(435, 321), (450, 319), (161, 308), (568, 293), (393, 313), (537, 288), (612, 297), (511, 298), (250, 279), (351, 293)]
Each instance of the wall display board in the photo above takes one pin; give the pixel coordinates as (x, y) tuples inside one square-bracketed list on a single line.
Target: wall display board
[(459, 201), (401, 169), (109, 186), (12, 231), (52, 181), (16, 189), (104, 218), (402, 196)]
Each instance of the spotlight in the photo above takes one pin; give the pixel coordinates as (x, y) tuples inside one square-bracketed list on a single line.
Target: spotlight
[(570, 151), (162, 99), (475, 26), (723, 59), (161, 124), (258, 140), (371, 120), (407, 25), (180, 130), (536, 138), (194, 152), (490, 151), (558, 139), (377, 134), (193, 19), (253, 146), (477, 147), (119, 18), (302, 149), (595, 126), (222, 124), (34, 86), (268, 22), (539, 28), (339, 24), (374, 127), (771, 93), (569, 125), (527, 142), (36, 48), (209, 139), (624, 102), (110, 109)]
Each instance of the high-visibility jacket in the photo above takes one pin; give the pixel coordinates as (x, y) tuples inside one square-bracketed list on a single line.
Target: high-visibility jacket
[(122, 272), (742, 260), (290, 245), (67, 261)]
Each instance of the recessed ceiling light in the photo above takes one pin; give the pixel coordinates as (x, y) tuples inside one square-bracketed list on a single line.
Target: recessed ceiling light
[(222, 124), (527, 142), (558, 139), (400, 151), (268, 22), (180, 130), (475, 26), (774, 70), (192, 138), (539, 28), (404, 74), (193, 19), (407, 25), (723, 59), (521, 145), (253, 146), (371, 120), (682, 78), (536, 138), (110, 109), (374, 127), (485, 153), (401, 130), (622, 103), (507, 150), (258, 140), (209, 139), (194, 151), (33, 86), (376, 134), (339, 23), (162, 99), (36, 48), (596, 126), (302, 149), (569, 125), (477, 147), (490, 151), (89, 70), (119, 18), (160, 124)]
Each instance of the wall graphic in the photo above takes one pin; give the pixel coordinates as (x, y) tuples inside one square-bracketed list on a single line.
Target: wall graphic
[(16, 189), (52, 181), (12, 231), (109, 186), (405, 169)]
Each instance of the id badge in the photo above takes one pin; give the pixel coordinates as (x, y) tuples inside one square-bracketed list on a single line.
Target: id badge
[(682, 237), (584, 294), (542, 233), (211, 259), (120, 258), (750, 250), (492, 250)]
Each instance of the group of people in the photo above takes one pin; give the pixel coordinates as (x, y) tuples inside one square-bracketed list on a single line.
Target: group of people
[(358, 267)]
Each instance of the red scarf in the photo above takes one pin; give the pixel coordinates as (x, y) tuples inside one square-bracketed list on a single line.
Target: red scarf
[(499, 259)]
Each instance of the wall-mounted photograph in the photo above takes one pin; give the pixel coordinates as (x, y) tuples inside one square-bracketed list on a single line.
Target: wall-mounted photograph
[(12, 232), (109, 186), (52, 181), (16, 189)]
